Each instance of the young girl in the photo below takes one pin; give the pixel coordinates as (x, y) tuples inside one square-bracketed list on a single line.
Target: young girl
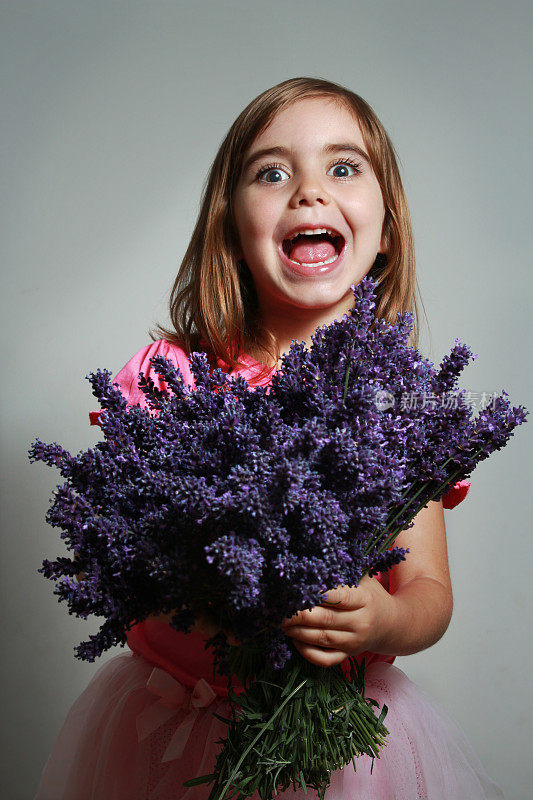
[(304, 198)]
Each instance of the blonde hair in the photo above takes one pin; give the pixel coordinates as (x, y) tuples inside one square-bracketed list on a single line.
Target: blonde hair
[(213, 303)]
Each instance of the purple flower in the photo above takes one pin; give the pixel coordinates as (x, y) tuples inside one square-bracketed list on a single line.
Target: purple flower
[(248, 503)]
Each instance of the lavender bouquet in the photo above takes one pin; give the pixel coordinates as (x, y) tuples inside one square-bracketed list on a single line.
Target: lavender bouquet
[(245, 505)]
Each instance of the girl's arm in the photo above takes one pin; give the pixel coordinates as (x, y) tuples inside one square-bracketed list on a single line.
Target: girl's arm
[(411, 616), (201, 625)]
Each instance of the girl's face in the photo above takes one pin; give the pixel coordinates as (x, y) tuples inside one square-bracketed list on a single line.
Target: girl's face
[(316, 175)]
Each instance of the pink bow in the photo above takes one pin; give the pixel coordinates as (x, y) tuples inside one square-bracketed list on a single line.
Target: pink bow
[(173, 697)]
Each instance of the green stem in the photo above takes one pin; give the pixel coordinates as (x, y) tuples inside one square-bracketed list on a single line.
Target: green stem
[(403, 507), (261, 732), (376, 539), (392, 536)]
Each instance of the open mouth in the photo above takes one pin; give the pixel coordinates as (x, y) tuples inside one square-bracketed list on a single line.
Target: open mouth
[(315, 249)]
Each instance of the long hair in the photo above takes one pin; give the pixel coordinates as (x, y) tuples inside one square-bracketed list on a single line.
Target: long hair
[(213, 303)]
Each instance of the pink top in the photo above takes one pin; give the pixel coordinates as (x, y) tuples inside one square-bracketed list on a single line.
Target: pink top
[(183, 655)]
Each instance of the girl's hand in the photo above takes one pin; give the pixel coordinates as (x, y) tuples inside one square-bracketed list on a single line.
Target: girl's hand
[(360, 620), (208, 629), (201, 625)]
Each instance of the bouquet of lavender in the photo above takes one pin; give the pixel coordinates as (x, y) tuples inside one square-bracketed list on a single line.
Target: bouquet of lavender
[(245, 505)]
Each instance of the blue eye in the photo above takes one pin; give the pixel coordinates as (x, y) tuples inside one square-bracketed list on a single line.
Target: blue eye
[(275, 169), (346, 164)]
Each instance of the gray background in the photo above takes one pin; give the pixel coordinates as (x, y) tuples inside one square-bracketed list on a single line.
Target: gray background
[(113, 112)]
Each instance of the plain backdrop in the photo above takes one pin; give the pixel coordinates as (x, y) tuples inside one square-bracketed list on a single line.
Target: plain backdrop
[(112, 113)]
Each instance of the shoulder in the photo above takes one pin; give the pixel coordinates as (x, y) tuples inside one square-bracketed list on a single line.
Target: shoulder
[(456, 494), (128, 377)]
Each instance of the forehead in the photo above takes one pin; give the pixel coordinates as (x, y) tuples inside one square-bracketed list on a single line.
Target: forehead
[(309, 121)]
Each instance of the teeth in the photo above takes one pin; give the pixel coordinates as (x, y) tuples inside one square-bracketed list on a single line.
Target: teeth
[(314, 231), (315, 263)]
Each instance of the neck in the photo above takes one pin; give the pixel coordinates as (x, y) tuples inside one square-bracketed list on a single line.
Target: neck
[(297, 323)]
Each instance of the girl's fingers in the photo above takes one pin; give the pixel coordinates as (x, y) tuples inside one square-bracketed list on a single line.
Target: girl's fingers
[(204, 626), (321, 617), (204, 629), (323, 658), (319, 637), (208, 629), (347, 597), (231, 639), (336, 609)]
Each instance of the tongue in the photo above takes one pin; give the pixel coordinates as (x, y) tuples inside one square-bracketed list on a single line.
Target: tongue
[(310, 250)]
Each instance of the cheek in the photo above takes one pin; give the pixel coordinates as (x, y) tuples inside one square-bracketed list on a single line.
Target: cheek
[(366, 208), (257, 224), (367, 212)]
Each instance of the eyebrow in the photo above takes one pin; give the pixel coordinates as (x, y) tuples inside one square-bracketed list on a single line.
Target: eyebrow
[(343, 147)]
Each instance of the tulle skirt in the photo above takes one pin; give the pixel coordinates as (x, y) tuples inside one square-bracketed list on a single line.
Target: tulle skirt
[(135, 733)]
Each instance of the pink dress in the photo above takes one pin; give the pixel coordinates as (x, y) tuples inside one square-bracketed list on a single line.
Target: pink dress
[(145, 722)]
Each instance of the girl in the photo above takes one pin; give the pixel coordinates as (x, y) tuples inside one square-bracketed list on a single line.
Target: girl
[(304, 198)]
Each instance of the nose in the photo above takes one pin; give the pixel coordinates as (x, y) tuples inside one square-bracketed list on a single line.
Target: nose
[(309, 192)]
